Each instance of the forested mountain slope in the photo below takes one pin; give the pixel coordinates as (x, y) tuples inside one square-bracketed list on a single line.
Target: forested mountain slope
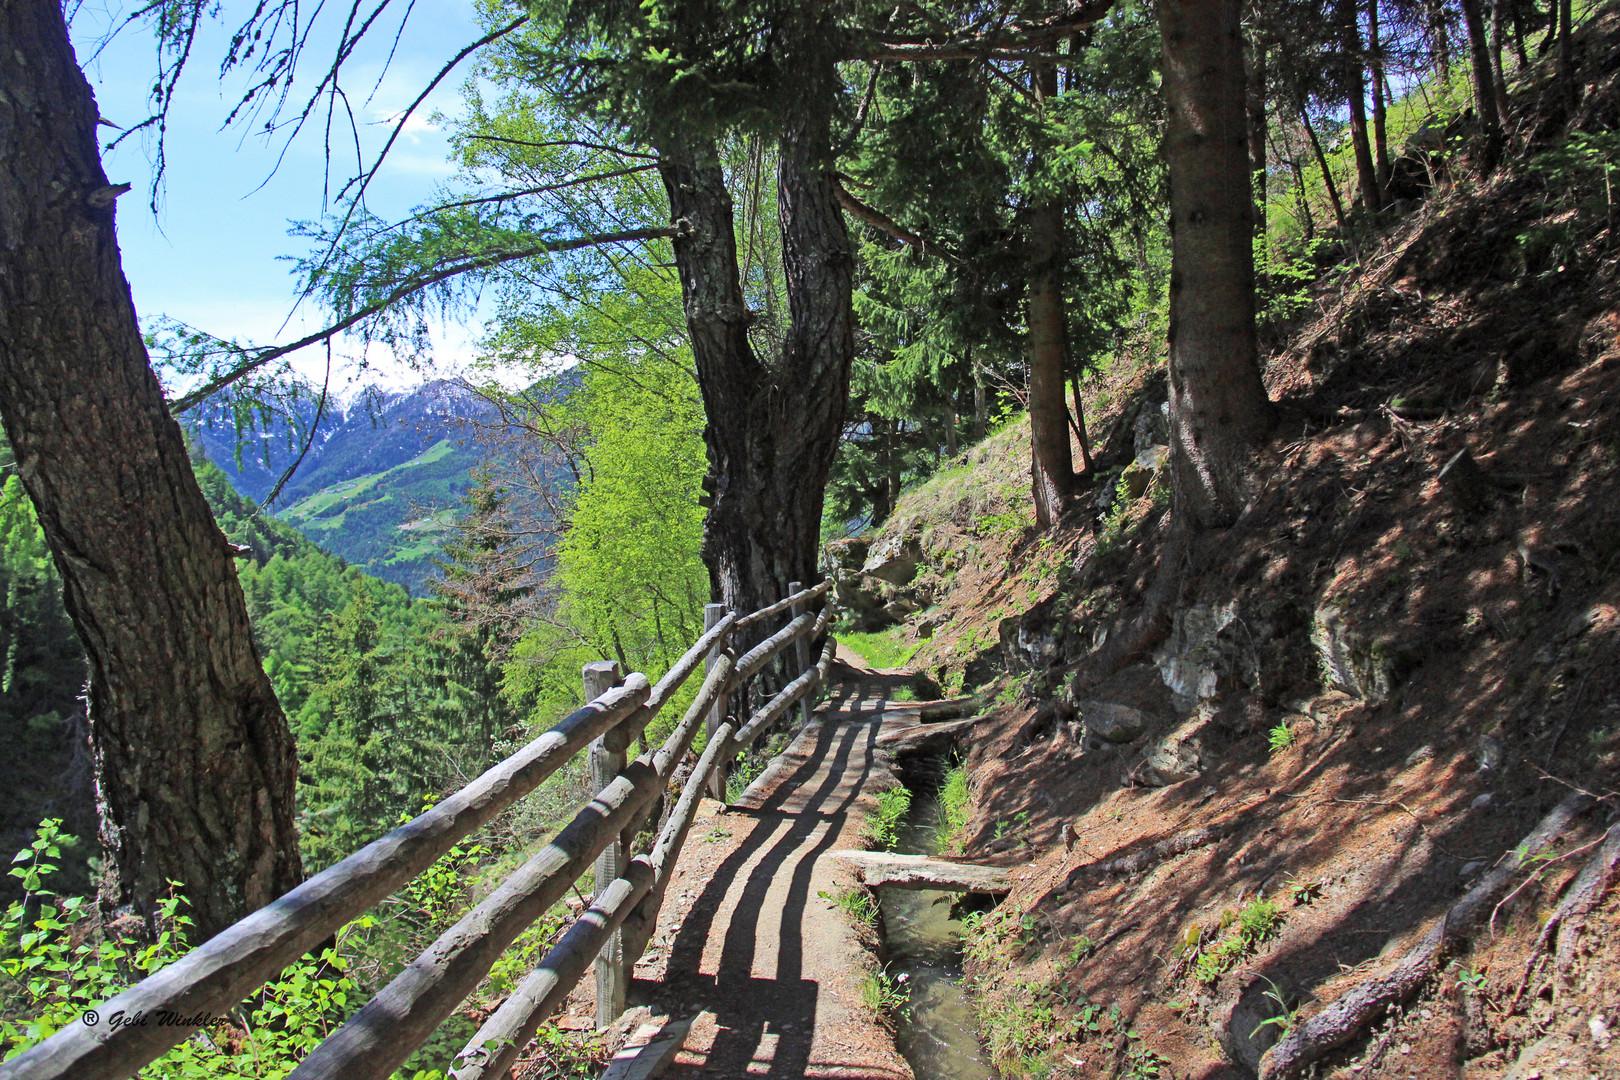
[(380, 480), (387, 700)]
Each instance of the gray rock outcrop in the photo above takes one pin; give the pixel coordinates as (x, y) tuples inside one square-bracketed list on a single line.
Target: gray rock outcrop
[(1113, 723)]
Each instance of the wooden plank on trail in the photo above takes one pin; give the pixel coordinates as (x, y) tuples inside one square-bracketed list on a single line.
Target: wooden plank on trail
[(920, 872), (649, 1050), (927, 736), (930, 711)]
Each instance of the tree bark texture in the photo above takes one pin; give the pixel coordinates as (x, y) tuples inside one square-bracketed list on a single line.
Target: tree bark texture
[(773, 427), (1499, 22), (195, 766), (1218, 405)]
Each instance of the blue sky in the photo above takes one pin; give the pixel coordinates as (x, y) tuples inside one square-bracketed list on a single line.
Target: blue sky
[(210, 257)]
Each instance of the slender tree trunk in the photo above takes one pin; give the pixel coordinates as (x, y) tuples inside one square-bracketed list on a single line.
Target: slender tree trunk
[(1327, 174), (1218, 405), (981, 411), (1490, 123), (1080, 428), (1439, 39), (1498, 72), (1298, 169), (773, 427), (1051, 466), (1254, 57), (195, 766), (1051, 463), (1355, 78), (1518, 36), (1566, 55), (891, 472), (1375, 67), (1289, 156)]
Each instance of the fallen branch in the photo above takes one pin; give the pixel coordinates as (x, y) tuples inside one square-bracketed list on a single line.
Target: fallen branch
[(1152, 856), (1345, 1018)]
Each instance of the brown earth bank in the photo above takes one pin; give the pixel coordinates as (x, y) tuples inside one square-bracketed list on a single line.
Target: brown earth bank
[(1361, 701)]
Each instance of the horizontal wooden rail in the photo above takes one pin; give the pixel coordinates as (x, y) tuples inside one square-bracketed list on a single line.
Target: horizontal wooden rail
[(804, 686), (406, 1012), (217, 975), (495, 1047), (802, 597), (765, 651), (665, 688), (639, 926)]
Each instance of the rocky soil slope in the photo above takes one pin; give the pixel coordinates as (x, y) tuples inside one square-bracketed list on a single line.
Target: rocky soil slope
[(1357, 793)]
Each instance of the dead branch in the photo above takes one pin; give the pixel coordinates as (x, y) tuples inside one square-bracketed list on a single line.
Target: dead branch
[(884, 223), (253, 359)]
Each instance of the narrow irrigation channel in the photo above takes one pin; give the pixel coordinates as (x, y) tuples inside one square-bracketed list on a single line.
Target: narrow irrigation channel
[(922, 945)]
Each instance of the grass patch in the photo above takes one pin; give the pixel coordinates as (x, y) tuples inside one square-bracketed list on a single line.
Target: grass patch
[(883, 828), (955, 806), (883, 649), (857, 903), (881, 993), (1238, 934), (1281, 737)]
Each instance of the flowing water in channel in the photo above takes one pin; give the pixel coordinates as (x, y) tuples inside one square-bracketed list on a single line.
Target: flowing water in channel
[(923, 946)]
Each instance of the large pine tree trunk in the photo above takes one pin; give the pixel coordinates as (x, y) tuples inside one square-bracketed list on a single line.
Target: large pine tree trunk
[(1218, 406), (773, 428), (1051, 460), (195, 766), (1051, 464)]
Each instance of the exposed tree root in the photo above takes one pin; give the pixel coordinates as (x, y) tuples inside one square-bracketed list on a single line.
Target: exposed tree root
[(1584, 894), (1344, 1019)]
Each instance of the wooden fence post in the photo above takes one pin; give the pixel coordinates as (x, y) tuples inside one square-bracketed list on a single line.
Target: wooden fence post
[(607, 759), (712, 614), (801, 652)]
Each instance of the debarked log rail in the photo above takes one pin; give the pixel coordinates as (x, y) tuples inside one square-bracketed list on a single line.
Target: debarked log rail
[(218, 975)]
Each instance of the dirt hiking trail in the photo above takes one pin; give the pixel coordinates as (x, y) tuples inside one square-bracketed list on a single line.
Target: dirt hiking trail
[(745, 936)]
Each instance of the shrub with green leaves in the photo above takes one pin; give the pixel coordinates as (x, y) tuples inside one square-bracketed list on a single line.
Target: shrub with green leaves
[(59, 962)]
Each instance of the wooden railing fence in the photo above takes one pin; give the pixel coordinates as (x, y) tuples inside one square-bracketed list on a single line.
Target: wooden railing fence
[(218, 975)]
